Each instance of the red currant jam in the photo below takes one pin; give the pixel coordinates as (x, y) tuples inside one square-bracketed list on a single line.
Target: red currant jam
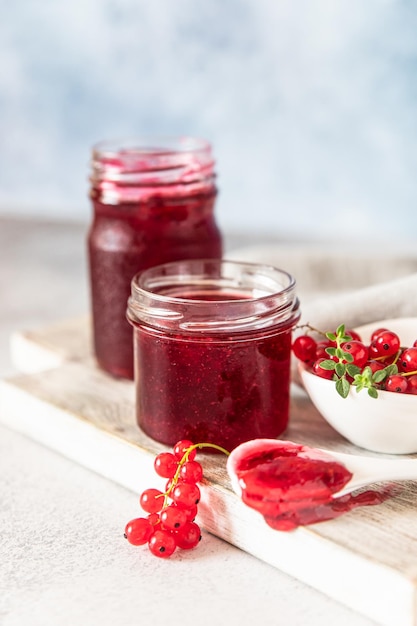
[(150, 207), (213, 375), (293, 485)]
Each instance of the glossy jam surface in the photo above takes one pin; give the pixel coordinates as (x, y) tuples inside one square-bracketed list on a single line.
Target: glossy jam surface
[(293, 485), (129, 237), (224, 389)]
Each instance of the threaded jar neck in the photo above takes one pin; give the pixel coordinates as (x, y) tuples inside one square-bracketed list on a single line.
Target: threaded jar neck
[(214, 297)]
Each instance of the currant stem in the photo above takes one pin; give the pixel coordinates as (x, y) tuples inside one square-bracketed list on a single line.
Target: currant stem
[(405, 374), (184, 459), (206, 445), (310, 327), (381, 358)]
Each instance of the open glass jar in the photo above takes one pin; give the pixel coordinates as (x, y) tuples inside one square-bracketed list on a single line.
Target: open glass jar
[(212, 346), (153, 202)]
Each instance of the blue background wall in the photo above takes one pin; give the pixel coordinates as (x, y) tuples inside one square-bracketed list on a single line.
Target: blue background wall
[(310, 104)]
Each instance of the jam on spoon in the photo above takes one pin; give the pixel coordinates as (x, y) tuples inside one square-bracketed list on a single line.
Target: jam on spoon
[(294, 485)]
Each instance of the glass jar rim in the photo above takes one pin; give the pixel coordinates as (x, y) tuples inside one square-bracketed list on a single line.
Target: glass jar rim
[(151, 145), (152, 160), (252, 296)]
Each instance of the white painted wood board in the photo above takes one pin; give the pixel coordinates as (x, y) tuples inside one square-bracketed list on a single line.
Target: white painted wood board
[(367, 559)]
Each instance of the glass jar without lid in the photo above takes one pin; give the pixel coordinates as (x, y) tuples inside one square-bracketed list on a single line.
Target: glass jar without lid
[(153, 202), (212, 350)]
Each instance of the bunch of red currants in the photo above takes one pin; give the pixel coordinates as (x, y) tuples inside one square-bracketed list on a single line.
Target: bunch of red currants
[(169, 523)]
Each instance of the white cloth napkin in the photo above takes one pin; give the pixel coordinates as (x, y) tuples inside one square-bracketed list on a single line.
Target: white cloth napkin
[(392, 299), (335, 286)]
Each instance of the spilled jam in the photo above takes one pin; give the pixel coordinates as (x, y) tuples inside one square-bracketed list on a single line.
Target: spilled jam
[(294, 485)]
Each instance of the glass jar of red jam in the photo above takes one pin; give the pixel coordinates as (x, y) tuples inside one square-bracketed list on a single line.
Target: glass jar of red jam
[(153, 202), (212, 350)]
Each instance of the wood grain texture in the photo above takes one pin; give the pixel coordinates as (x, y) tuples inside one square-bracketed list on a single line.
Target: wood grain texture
[(367, 559), (45, 348)]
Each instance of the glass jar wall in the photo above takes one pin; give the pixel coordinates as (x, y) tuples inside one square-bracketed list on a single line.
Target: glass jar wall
[(212, 351), (153, 202)]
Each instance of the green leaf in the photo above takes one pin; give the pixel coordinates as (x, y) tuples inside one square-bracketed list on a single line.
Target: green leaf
[(347, 357), (331, 336), (340, 353), (367, 372), (379, 376), (328, 364), (331, 351), (342, 387), (391, 370), (372, 392), (340, 369), (353, 370), (340, 330)]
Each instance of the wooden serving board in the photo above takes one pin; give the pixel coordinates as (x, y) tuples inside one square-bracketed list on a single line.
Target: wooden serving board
[(366, 559)]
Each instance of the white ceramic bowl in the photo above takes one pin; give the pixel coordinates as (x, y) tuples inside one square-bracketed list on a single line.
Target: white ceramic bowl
[(387, 424)]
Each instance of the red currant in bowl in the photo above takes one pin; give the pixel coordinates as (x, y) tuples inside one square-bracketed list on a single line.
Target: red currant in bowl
[(321, 371), (371, 403), (304, 348), (358, 352), (408, 360), (386, 343)]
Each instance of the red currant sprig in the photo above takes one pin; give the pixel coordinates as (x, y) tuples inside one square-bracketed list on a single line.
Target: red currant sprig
[(171, 513)]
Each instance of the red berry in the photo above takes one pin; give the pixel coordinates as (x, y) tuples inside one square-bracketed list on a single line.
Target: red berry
[(353, 334), (138, 531), (165, 464), (386, 344), (181, 447), (412, 384), (186, 495), (162, 543), (358, 350), (377, 332), (396, 383), (191, 513), (375, 366), (373, 352), (188, 536), (320, 371), (304, 348), (408, 360), (152, 500), (321, 350), (153, 519), (173, 517), (191, 472)]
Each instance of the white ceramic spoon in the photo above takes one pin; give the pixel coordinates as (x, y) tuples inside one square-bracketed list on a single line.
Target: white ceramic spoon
[(368, 470)]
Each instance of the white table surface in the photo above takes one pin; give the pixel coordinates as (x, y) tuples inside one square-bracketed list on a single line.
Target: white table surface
[(63, 558)]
